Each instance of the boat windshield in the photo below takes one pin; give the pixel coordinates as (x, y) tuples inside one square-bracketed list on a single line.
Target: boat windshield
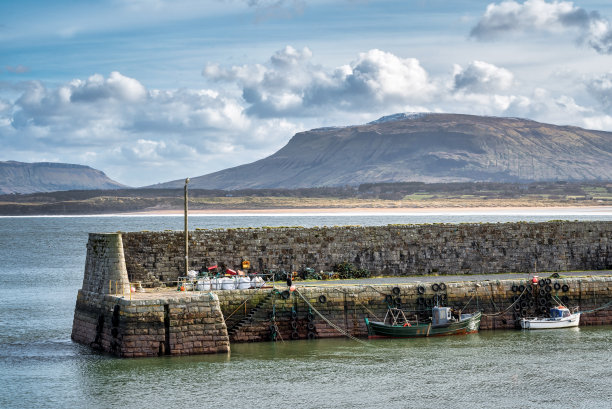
[(559, 312)]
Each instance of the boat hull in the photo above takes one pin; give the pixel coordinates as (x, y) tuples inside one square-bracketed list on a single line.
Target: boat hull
[(381, 330), (551, 323)]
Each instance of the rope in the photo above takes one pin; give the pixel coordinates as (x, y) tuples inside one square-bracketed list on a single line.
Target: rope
[(337, 328), (603, 307), (244, 302), (510, 306), (367, 309), (274, 320), (468, 303)]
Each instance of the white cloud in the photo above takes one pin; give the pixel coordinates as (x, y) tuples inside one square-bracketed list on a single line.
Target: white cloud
[(601, 89), (290, 84), (511, 17), (142, 136), (125, 124), (480, 76)]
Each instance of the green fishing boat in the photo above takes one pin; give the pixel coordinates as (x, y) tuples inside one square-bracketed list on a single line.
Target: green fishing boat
[(442, 323)]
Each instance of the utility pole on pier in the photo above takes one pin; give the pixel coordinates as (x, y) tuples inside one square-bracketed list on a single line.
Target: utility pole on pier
[(186, 231)]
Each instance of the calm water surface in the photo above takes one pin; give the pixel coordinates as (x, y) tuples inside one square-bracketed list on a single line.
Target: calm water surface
[(41, 269)]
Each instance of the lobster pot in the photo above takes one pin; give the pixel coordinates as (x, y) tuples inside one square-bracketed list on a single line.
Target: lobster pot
[(203, 284), (257, 282), (244, 283), (228, 283)]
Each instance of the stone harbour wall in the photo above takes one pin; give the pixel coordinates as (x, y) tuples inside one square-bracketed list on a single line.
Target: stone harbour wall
[(188, 323), (182, 325), (328, 311), (191, 322), (393, 250)]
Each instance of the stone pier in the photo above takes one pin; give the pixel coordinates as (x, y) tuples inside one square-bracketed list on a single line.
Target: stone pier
[(111, 318)]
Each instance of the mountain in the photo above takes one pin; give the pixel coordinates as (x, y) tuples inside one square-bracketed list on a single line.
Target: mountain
[(427, 148), (20, 177)]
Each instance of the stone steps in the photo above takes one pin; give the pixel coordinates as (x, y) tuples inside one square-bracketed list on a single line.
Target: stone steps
[(249, 318)]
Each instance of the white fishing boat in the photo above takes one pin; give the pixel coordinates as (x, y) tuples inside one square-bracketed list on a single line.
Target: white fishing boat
[(560, 317)]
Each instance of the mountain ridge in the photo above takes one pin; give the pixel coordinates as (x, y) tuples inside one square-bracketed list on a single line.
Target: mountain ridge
[(23, 177), (424, 147)]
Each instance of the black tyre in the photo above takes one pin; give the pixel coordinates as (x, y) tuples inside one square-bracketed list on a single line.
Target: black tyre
[(565, 288), (421, 289), (557, 286), (435, 287), (396, 291), (322, 299), (442, 286)]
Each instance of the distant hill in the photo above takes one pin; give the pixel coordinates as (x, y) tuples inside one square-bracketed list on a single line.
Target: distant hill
[(20, 177), (432, 148)]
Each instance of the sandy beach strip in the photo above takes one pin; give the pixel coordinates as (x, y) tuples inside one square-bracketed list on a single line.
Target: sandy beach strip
[(511, 210)]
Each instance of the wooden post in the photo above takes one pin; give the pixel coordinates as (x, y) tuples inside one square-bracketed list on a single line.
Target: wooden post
[(186, 231)]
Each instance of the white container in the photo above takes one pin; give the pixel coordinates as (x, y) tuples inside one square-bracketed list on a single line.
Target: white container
[(228, 283), (244, 283), (203, 284), (215, 284), (192, 274), (257, 282)]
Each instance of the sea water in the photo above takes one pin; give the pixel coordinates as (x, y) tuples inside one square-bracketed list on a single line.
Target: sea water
[(41, 270)]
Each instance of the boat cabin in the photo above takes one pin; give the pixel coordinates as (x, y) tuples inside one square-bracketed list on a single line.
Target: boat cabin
[(441, 315), (559, 312)]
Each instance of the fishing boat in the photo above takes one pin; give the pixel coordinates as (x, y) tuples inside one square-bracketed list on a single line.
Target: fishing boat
[(560, 317), (442, 323)]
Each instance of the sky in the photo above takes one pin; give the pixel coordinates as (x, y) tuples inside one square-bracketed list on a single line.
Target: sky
[(150, 91)]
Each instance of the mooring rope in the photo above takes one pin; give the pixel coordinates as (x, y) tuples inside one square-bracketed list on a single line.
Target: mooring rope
[(603, 307), (359, 302), (337, 328), (510, 306), (246, 300)]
